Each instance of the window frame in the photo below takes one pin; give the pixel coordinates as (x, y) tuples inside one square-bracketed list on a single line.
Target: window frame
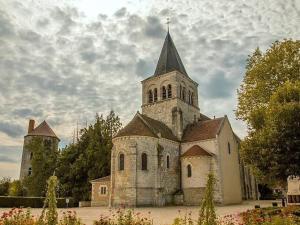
[(189, 170), (168, 161), (144, 161), (121, 162), (102, 190)]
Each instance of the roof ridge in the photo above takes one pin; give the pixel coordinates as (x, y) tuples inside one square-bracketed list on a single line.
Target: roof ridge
[(147, 124)]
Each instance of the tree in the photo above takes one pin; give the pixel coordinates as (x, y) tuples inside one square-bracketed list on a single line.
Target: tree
[(264, 74), (270, 144), (50, 204), (275, 148), (207, 214), (4, 186), (88, 159), (44, 161), (16, 188)]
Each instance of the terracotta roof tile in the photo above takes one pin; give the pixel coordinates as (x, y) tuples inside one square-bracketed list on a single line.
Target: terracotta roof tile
[(136, 127), (107, 178), (142, 125), (202, 130), (196, 151), (42, 130)]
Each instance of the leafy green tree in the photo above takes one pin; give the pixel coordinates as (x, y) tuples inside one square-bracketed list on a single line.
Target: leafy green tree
[(4, 186), (275, 148), (44, 161), (88, 159), (264, 148), (16, 188), (207, 214), (264, 74)]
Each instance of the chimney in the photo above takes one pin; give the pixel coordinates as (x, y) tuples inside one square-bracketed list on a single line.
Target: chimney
[(31, 125)]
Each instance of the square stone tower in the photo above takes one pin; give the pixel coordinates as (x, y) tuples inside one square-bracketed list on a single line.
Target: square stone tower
[(170, 95)]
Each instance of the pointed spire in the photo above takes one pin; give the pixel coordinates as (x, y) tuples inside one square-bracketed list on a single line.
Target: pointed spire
[(169, 59)]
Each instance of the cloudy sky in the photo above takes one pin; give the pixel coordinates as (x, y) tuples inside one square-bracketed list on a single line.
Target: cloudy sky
[(64, 61)]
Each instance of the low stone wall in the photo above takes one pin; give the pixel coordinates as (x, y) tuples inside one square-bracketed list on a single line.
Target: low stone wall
[(193, 196)]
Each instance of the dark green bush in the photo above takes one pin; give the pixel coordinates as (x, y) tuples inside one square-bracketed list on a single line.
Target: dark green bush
[(33, 202)]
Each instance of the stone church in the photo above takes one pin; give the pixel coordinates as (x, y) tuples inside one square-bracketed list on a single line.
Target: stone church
[(164, 154)]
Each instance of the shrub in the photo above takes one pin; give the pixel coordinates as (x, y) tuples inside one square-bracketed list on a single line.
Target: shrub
[(70, 218), (17, 217), (271, 216), (32, 202), (122, 217)]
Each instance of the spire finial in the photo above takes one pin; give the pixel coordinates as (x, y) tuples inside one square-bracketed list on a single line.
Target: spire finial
[(168, 22)]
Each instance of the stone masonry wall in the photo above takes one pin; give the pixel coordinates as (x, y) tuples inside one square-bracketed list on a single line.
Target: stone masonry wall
[(97, 198), (137, 187), (26, 154), (162, 109)]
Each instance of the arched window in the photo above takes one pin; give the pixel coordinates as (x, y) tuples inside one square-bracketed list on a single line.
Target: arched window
[(31, 155), (229, 149), (121, 162), (189, 100), (189, 170), (183, 93), (150, 96), (168, 161), (192, 98), (169, 91), (155, 94), (164, 92), (180, 91), (144, 161)]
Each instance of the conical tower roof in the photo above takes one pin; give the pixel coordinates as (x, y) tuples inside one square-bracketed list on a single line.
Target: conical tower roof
[(169, 59), (42, 130)]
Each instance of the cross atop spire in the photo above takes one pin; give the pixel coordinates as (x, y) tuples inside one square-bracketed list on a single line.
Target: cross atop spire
[(169, 59), (168, 22)]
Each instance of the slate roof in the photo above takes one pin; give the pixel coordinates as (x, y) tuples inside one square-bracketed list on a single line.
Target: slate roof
[(202, 130), (107, 178), (43, 130), (169, 59), (142, 125), (196, 150)]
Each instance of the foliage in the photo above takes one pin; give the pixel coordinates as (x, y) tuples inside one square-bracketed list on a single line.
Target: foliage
[(70, 218), (271, 216), (207, 214), (4, 186), (265, 72), (17, 217), (124, 217), (88, 158), (268, 101), (16, 188), (50, 204), (32, 202), (43, 163), (275, 148)]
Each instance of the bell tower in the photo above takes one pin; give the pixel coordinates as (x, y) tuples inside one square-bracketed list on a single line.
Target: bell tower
[(170, 95)]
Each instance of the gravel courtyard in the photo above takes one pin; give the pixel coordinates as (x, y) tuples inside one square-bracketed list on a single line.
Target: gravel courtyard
[(160, 216)]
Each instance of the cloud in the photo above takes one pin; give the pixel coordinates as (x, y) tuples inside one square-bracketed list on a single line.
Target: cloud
[(11, 129), (7, 159)]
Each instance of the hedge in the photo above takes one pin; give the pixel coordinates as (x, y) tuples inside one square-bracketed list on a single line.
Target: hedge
[(32, 202)]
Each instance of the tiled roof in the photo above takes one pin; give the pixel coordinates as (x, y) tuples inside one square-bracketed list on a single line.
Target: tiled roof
[(107, 178), (169, 59), (196, 151), (142, 125), (202, 130), (42, 130)]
